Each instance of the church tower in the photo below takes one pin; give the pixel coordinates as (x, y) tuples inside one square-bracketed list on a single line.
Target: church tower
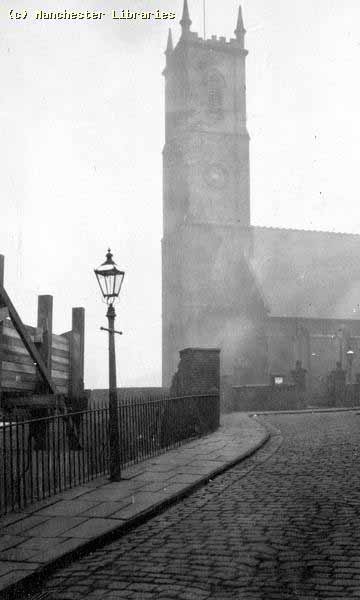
[(206, 196)]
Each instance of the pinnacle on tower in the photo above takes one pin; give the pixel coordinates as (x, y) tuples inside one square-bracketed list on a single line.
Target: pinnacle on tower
[(185, 21), (170, 46), (240, 29)]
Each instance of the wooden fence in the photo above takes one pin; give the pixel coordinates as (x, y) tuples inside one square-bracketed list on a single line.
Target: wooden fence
[(18, 371), (21, 346)]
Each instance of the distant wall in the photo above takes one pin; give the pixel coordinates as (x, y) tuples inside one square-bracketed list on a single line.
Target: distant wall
[(249, 398), (346, 398), (318, 343)]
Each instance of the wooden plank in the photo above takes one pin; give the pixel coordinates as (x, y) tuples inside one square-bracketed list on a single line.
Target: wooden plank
[(61, 345), (28, 343), (18, 367), (13, 345), (61, 353), (60, 360), (59, 375), (17, 381), (60, 340), (61, 381), (15, 378), (59, 367), (18, 376), (18, 386), (33, 401), (10, 331), (29, 328), (15, 357)]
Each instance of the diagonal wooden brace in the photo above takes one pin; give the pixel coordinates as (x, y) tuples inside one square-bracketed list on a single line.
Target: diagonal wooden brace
[(26, 340)]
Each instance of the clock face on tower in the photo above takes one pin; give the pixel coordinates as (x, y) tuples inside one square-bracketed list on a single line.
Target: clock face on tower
[(216, 176)]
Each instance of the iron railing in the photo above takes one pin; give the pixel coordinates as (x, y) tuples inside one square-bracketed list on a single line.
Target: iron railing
[(42, 457)]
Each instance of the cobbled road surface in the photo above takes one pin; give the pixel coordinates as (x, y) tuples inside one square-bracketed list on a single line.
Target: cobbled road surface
[(284, 524)]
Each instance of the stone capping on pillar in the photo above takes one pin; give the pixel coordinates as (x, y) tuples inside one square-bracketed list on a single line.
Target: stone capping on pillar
[(199, 349), (198, 372)]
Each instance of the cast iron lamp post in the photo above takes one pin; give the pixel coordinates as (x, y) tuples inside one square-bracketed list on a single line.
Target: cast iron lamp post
[(350, 356), (110, 280)]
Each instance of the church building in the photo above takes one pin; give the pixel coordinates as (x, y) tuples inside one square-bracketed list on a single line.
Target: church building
[(265, 296)]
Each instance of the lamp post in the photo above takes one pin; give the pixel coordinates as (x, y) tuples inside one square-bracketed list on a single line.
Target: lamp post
[(110, 280), (350, 356)]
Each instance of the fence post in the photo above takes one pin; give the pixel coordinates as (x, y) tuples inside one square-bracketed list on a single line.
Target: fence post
[(45, 322), (76, 387), (43, 338)]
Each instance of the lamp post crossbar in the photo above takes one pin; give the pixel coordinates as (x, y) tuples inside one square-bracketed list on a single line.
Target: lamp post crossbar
[(106, 329)]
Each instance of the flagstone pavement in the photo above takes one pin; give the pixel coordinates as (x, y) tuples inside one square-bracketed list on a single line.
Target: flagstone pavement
[(44, 535)]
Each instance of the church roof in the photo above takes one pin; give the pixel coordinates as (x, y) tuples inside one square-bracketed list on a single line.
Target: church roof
[(309, 274)]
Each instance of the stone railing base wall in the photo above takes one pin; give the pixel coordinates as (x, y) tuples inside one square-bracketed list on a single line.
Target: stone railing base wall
[(249, 398)]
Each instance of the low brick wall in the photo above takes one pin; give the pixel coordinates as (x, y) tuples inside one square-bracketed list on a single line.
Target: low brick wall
[(198, 372), (249, 398), (346, 398)]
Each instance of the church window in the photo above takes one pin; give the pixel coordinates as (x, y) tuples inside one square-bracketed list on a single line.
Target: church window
[(215, 92)]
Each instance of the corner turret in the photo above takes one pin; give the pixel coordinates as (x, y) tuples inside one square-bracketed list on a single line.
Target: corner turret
[(185, 20), (170, 45), (240, 29)]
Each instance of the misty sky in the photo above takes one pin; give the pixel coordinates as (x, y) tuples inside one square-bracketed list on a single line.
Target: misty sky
[(82, 131)]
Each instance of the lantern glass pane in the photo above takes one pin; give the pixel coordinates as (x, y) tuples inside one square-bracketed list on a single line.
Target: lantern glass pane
[(101, 281), (106, 285), (110, 279), (111, 283), (118, 283)]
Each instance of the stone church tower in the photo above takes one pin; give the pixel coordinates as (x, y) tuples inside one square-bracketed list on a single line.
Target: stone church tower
[(210, 298)]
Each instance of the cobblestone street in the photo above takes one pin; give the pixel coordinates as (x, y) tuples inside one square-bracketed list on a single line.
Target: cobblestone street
[(283, 524)]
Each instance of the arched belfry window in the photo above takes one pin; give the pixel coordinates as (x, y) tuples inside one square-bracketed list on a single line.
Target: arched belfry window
[(215, 85)]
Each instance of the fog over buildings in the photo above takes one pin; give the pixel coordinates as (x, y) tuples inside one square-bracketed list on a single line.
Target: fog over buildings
[(82, 115)]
